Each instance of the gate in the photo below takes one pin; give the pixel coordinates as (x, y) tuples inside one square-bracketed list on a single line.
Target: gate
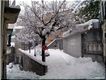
[(92, 43)]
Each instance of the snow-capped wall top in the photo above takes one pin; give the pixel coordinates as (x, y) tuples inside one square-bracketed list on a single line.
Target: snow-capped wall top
[(31, 55), (93, 23), (88, 22), (18, 27)]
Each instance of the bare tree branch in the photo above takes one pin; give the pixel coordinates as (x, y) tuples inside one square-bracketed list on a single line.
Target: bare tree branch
[(56, 13)]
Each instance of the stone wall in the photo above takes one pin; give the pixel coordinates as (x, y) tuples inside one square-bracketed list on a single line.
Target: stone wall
[(28, 64)]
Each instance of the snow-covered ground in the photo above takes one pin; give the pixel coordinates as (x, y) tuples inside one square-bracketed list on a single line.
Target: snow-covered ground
[(62, 66), (13, 72)]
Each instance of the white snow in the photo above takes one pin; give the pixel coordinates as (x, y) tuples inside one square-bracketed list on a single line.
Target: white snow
[(87, 24), (18, 27), (31, 55), (67, 33), (44, 32), (82, 27), (12, 44), (63, 66), (12, 37), (16, 73)]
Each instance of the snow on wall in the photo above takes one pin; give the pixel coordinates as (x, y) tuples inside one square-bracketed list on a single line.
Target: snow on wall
[(88, 24), (82, 27), (31, 55)]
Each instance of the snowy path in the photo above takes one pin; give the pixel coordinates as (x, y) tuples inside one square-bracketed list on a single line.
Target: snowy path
[(63, 66)]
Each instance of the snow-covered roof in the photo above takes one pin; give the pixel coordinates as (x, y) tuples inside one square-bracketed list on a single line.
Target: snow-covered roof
[(82, 27), (12, 26), (18, 27), (88, 22)]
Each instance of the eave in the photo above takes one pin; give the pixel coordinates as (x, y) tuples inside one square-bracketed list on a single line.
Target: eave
[(11, 14)]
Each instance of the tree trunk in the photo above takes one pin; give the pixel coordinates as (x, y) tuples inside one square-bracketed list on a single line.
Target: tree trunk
[(29, 47), (43, 51)]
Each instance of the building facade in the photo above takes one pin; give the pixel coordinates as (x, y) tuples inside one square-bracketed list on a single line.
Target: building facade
[(8, 15), (85, 42)]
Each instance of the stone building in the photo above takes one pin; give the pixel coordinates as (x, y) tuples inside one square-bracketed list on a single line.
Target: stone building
[(83, 41), (8, 15)]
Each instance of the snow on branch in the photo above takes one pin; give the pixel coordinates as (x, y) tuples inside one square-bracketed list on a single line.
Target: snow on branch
[(43, 18), (27, 35)]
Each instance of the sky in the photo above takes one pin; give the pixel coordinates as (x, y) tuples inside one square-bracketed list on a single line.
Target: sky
[(29, 1), (18, 2)]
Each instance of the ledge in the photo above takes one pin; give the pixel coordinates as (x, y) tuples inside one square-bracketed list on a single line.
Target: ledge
[(33, 57), (28, 62)]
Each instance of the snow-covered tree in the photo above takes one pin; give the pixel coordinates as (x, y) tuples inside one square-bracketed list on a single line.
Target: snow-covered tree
[(41, 18)]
